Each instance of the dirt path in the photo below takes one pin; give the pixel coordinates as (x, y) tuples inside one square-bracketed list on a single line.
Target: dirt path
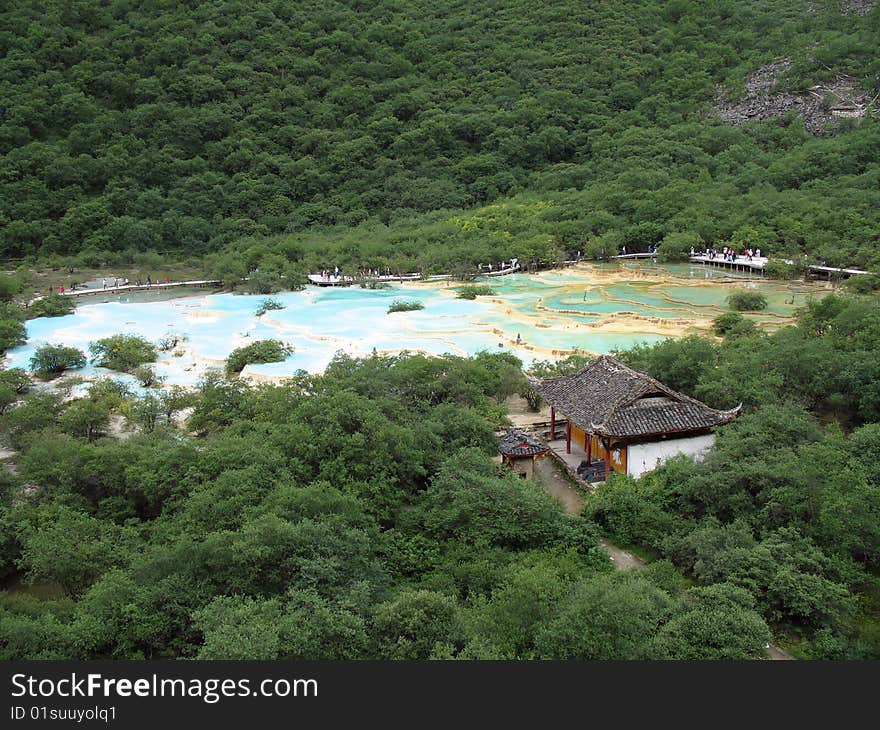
[(777, 654), (622, 560), (555, 481), (551, 477), (522, 416)]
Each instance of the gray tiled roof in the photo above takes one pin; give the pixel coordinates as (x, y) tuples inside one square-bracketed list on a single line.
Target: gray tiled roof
[(609, 398), (517, 443)]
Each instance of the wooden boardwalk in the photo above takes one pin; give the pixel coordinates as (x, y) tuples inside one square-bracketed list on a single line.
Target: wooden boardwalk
[(157, 286), (501, 272), (835, 270), (345, 280), (755, 265)]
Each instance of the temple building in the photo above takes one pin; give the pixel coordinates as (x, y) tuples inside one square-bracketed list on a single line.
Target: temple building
[(618, 419), (519, 451)]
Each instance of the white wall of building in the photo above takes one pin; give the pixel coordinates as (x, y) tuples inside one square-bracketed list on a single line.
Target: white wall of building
[(641, 458)]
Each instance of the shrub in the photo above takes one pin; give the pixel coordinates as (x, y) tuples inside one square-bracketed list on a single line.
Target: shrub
[(472, 292), (122, 352), (13, 383), (256, 352), (676, 246), (777, 269), (531, 396), (12, 331), (54, 305), (268, 305), (51, 360), (863, 284), (146, 376), (399, 305), (10, 286), (747, 301), (732, 323), (169, 341), (260, 282)]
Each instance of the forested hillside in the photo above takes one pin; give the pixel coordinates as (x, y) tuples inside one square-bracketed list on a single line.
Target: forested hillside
[(182, 127)]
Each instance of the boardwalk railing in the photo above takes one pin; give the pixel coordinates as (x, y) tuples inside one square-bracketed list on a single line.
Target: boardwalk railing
[(345, 279), (155, 286)]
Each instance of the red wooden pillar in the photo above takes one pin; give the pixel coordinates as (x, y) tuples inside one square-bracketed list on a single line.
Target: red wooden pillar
[(607, 445), (567, 436), (588, 445), (552, 423)]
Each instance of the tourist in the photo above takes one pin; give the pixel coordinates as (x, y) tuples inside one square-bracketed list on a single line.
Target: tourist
[(103, 283), (61, 289), (758, 253), (167, 279), (149, 280), (518, 340), (623, 250), (692, 251)]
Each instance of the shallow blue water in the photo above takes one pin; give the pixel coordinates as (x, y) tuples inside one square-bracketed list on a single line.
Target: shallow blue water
[(318, 322)]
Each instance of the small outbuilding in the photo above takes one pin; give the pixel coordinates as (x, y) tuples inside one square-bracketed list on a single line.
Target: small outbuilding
[(626, 420), (520, 451)]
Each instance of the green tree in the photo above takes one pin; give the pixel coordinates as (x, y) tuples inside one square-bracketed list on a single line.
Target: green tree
[(415, 625), (73, 549), (86, 417), (612, 616), (714, 622), (747, 301), (677, 246), (54, 305), (13, 384), (257, 352), (52, 360), (122, 352)]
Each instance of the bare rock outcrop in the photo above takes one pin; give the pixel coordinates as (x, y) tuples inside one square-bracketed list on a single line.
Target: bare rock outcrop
[(820, 107), (857, 7)]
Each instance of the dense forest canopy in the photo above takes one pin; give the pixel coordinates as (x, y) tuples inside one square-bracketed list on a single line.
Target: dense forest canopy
[(182, 127), (359, 514)]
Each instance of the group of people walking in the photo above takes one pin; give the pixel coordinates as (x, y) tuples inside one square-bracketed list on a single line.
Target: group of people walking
[(501, 266), (728, 253), (362, 273), (117, 282)]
